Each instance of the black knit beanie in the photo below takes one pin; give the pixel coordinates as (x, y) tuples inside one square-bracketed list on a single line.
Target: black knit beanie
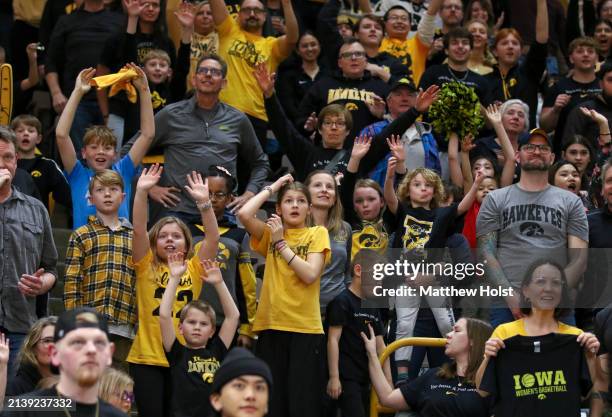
[(240, 361)]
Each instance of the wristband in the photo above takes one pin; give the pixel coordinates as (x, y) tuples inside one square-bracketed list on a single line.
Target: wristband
[(204, 205), (291, 260), (269, 189)]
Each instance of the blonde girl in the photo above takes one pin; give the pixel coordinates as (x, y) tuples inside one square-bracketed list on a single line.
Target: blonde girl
[(148, 364)]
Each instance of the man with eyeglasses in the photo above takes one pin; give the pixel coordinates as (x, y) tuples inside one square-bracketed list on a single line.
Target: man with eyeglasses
[(203, 131), (527, 221), (242, 46), (352, 86)]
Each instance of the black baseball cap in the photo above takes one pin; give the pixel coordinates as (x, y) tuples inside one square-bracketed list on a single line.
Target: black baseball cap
[(525, 137), (403, 83), (82, 317)]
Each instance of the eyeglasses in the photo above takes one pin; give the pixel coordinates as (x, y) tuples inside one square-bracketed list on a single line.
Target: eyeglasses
[(352, 55), (46, 341), (213, 72), (530, 148), (219, 195), (398, 18), (453, 6), (249, 10), (337, 123)]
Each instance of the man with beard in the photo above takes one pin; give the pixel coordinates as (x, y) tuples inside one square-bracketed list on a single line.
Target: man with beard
[(579, 123), (508, 217), (82, 352), (242, 46)]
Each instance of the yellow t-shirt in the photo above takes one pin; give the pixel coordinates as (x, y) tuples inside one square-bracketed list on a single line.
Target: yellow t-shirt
[(148, 348), (242, 51), (412, 52), (286, 303), (369, 237), (517, 328)]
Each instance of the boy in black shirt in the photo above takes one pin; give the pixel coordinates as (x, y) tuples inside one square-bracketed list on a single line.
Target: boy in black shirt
[(349, 381), (46, 174), (193, 366)]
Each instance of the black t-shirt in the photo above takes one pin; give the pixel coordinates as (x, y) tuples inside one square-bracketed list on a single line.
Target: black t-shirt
[(48, 178), (345, 310), (82, 410), (434, 396), (540, 376), (442, 74), (419, 228), (580, 93), (192, 372)]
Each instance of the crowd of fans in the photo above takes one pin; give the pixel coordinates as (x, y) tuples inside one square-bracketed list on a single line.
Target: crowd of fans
[(240, 171)]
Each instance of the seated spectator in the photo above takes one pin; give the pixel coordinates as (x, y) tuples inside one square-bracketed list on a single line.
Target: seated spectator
[(117, 389), (33, 361), (99, 268), (100, 144), (512, 78), (429, 393), (45, 172)]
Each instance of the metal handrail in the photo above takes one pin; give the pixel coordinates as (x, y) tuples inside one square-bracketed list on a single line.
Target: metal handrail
[(375, 407)]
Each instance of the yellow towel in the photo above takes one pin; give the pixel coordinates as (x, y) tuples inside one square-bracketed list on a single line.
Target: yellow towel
[(119, 81)]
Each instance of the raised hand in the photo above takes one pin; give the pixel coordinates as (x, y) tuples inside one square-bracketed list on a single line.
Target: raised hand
[(594, 115), (467, 143), (133, 8), (149, 177), (397, 147), (177, 264), (376, 106), (197, 187), (31, 51), (264, 79), (212, 273), (311, 123), (185, 15), (82, 84), (361, 146), (278, 184), (391, 164), (426, 98), (140, 82), (493, 114), (275, 223)]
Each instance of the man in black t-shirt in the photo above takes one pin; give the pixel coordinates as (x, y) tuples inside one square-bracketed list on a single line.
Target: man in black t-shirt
[(82, 352), (570, 92)]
